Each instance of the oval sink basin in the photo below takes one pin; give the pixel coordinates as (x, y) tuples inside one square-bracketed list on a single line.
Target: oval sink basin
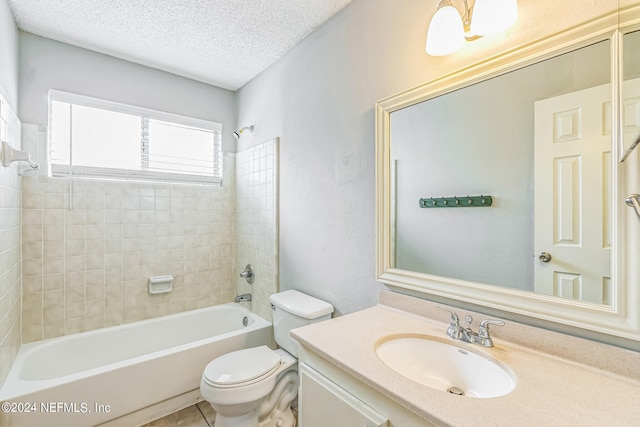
[(446, 367)]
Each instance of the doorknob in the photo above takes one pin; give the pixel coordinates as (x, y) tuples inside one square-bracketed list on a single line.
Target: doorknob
[(544, 256), (633, 201)]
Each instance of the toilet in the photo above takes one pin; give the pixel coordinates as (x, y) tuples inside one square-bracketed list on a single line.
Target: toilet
[(255, 387)]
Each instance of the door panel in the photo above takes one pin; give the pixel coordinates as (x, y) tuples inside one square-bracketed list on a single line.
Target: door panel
[(573, 194)]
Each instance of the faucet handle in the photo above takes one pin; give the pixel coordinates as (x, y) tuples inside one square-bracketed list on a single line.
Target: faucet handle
[(486, 322), (454, 321), (454, 330), (484, 327), (484, 338), (248, 274)]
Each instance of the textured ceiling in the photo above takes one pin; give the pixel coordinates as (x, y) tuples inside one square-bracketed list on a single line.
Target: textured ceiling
[(222, 42)]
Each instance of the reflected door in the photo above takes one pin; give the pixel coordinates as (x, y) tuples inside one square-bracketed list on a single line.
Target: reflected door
[(630, 112), (573, 195)]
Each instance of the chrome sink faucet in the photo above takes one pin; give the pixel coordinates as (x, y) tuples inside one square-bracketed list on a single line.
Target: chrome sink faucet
[(481, 338)]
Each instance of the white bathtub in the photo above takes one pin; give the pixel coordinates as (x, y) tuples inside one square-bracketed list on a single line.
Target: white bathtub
[(93, 377)]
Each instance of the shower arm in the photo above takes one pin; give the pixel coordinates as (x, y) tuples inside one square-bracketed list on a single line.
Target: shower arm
[(236, 134)]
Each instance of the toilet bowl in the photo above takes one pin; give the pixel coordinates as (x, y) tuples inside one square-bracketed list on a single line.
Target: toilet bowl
[(255, 387), (236, 383)]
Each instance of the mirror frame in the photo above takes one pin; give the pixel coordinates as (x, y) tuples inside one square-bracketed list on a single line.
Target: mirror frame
[(622, 318)]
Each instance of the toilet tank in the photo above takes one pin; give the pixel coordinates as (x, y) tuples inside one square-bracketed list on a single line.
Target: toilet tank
[(293, 309)]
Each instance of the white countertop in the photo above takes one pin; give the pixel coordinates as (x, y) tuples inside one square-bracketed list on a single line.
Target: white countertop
[(550, 391)]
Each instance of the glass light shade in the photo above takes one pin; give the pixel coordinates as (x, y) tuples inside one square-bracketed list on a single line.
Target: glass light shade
[(446, 32), (493, 16)]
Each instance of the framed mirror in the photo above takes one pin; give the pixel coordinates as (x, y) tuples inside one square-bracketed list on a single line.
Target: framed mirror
[(501, 185)]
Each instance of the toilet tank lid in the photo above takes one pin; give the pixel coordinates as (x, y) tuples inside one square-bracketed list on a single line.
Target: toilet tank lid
[(303, 305)]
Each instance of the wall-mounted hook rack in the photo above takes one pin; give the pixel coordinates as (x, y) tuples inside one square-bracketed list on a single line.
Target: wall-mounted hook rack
[(457, 202), (8, 155)]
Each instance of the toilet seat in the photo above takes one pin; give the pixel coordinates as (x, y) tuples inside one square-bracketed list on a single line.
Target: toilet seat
[(242, 367)]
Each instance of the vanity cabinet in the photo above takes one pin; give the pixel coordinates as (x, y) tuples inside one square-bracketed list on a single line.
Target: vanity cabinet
[(323, 403), (329, 396)]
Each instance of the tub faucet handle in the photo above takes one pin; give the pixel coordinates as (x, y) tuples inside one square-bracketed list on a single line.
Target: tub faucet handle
[(248, 274)]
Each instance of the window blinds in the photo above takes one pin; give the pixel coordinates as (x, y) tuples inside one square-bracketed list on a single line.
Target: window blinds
[(95, 138)]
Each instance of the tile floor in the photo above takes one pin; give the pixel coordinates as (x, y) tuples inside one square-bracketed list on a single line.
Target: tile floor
[(198, 415)]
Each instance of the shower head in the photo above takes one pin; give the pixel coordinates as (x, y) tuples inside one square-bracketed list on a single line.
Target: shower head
[(237, 134)]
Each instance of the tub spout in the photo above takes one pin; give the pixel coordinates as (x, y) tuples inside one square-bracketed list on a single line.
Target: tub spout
[(243, 298)]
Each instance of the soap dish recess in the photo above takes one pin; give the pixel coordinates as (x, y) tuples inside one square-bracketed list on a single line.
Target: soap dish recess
[(160, 284)]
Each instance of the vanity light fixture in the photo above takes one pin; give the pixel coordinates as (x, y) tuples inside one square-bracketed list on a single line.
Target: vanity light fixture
[(448, 31)]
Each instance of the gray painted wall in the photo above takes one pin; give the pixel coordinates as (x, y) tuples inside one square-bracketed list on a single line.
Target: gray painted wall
[(319, 98), (8, 55), (48, 64)]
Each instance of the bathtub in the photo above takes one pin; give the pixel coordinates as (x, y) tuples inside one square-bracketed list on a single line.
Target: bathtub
[(126, 374)]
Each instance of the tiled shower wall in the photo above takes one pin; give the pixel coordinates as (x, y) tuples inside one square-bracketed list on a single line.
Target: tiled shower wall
[(87, 267), (256, 222), (9, 244)]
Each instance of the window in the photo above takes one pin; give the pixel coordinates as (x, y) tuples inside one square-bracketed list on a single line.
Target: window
[(94, 138)]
